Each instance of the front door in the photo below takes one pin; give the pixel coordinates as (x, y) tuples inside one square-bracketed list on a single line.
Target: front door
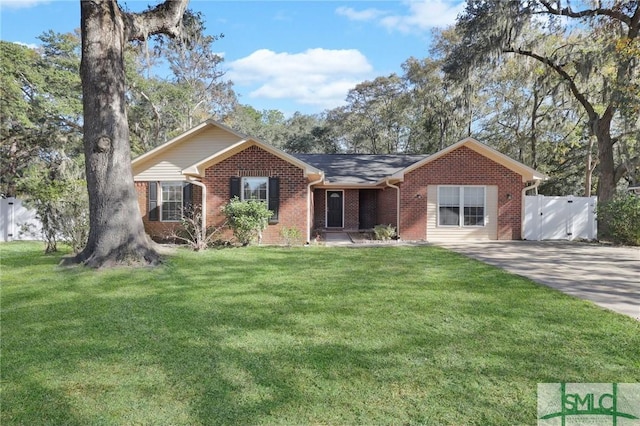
[(334, 209)]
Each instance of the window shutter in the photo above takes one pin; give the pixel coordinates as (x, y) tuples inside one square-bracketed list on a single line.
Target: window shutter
[(187, 200), (234, 187), (154, 213), (274, 198)]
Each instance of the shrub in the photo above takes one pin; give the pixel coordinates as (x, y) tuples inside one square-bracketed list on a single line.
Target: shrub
[(57, 191), (619, 220), (247, 219), (291, 236), (191, 232), (384, 232)]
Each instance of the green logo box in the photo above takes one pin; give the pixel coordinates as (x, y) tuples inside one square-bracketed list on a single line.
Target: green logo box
[(574, 404)]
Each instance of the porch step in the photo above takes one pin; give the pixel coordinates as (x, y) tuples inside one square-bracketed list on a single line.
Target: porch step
[(337, 239)]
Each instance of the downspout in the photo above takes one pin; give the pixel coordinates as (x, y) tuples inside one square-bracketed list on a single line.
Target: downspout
[(204, 204), (522, 204), (309, 195), (386, 181)]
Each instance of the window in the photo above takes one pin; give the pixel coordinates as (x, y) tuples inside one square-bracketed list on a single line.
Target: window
[(265, 189), (473, 206), (171, 201), (168, 201), (452, 200), (255, 188)]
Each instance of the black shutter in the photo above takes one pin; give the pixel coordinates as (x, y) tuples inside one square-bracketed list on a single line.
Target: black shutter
[(187, 200), (234, 187), (274, 198), (154, 213)]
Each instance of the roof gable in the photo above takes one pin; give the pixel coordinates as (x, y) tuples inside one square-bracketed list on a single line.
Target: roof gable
[(527, 173), (166, 161), (198, 168), (189, 133), (198, 148)]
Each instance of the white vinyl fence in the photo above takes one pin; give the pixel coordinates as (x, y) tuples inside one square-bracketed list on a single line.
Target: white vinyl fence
[(18, 222), (559, 218)]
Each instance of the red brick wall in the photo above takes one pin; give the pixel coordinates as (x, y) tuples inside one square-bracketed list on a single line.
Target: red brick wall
[(462, 166), (159, 231), (255, 161), (293, 190), (351, 209), (387, 207), (319, 208)]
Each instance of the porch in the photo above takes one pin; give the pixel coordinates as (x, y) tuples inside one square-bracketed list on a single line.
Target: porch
[(353, 209)]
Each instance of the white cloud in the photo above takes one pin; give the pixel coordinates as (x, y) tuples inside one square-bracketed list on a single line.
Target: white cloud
[(318, 77), (360, 15), (21, 4), (424, 15), (421, 15), (29, 45)]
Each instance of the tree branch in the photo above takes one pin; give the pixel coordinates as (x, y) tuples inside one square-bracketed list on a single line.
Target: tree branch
[(165, 18), (634, 26), (586, 13), (580, 97), (625, 167)]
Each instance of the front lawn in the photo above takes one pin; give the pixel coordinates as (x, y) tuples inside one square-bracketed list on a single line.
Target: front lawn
[(266, 335)]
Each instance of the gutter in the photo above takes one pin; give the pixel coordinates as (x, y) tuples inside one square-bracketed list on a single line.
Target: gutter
[(522, 205), (309, 195), (204, 204), (390, 185)]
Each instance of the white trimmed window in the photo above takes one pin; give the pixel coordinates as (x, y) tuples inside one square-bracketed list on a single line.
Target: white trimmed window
[(266, 189), (255, 188), (461, 205), (171, 201)]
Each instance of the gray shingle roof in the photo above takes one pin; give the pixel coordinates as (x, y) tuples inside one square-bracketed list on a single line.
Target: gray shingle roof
[(357, 168)]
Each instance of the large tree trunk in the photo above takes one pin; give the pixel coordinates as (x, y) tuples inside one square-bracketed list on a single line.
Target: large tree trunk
[(606, 166), (116, 233)]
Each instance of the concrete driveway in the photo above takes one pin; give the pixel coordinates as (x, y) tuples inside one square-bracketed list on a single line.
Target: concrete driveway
[(606, 275)]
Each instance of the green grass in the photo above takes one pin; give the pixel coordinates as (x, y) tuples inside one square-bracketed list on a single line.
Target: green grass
[(266, 335)]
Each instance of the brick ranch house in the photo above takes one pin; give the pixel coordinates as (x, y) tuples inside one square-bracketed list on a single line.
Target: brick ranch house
[(465, 191)]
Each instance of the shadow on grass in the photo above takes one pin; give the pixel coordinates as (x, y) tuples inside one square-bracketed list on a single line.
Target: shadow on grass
[(298, 336)]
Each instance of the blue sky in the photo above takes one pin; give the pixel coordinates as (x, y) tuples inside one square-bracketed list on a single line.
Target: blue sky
[(288, 55)]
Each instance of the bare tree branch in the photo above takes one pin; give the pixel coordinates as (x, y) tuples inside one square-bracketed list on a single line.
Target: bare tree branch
[(165, 18)]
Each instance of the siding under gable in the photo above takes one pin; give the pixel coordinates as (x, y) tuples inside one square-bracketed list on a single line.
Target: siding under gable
[(167, 165)]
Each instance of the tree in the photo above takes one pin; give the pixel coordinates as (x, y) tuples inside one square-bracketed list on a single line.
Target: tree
[(536, 121), (591, 57), (55, 188), (309, 134), (375, 119), (438, 108), (40, 104), (196, 71), (116, 234), (267, 125)]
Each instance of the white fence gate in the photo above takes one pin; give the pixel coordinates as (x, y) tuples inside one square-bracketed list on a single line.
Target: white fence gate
[(17, 222), (559, 218)]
